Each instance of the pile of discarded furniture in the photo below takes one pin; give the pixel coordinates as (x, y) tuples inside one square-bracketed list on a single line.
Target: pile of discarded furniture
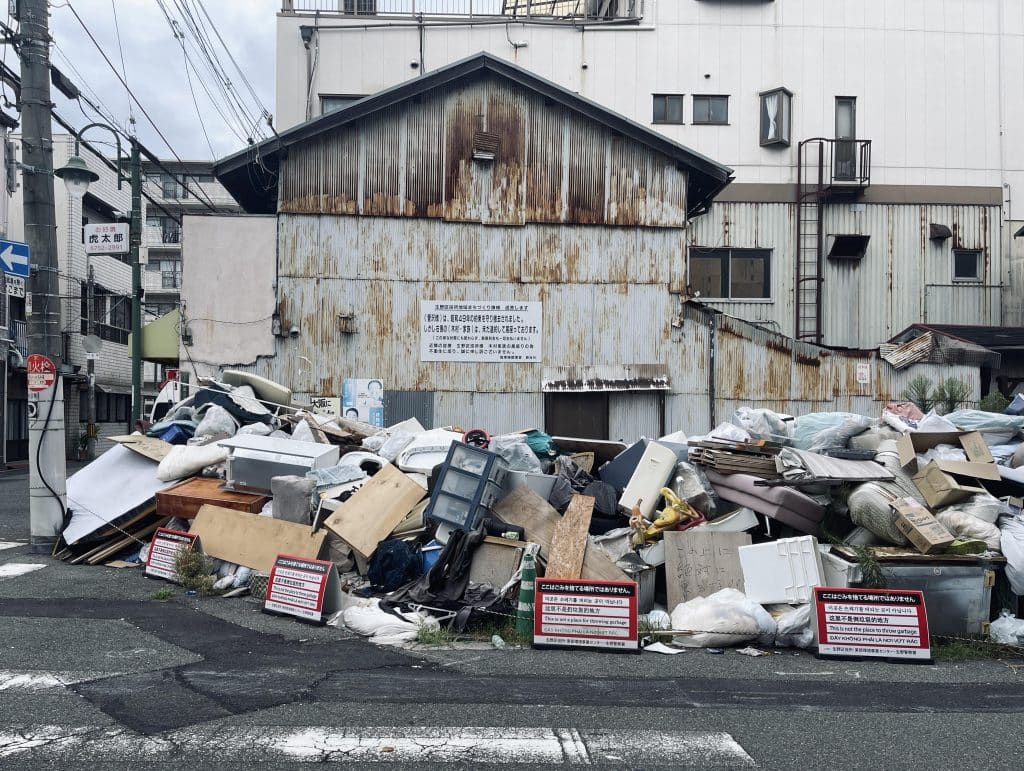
[(725, 535)]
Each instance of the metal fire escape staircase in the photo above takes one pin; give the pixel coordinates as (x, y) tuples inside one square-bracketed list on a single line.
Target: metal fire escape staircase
[(827, 170), (810, 258)]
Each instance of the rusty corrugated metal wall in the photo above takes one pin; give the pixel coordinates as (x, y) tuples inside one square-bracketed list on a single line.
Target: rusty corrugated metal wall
[(549, 165), (903, 279)]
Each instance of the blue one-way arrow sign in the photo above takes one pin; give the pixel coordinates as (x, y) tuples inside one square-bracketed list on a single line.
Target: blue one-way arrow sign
[(14, 258)]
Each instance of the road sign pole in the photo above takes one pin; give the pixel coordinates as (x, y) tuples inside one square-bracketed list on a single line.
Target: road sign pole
[(47, 468)]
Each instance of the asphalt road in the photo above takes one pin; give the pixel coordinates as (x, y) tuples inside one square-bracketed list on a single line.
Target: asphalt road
[(96, 673)]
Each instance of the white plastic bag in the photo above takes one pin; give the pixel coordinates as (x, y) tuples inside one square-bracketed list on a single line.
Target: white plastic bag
[(255, 429), (1007, 630), (303, 433), (727, 432), (794, 628), (1011, 539), (935, 423), (726, 617), (967, 526), (385, 628), (823, 430), (764, 424), (187, 460), (216, 422), (514, 450)]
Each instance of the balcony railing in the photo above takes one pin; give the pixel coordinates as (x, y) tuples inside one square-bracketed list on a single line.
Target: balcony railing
[(158, 236), (558, 10), (835, 164)]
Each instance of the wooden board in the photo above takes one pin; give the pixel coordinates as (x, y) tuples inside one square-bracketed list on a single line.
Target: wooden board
[(251, 540), (146, 446), (699, 563), (186, 498), (525, 508), (569, 542), (897, 554), (375, 510), (495, 561), (118, 546)]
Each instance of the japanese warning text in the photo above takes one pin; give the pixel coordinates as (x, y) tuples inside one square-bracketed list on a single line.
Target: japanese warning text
[(480, 331)]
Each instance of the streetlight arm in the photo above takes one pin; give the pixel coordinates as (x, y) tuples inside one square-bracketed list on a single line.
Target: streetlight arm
[(117, 141)]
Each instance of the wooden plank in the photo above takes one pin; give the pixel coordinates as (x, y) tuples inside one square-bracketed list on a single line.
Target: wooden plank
[(114, 533), (251, 540), (125, 542), (569, 541), (146, 446), (699, 563), (375, 510), (898, 554), (523, 507), (184, 499)]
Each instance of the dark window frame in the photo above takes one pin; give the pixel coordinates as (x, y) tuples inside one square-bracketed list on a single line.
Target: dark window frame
[(349, 100), (726, 254), (680, 100), (784, 118), (979, 256), (700, 122)]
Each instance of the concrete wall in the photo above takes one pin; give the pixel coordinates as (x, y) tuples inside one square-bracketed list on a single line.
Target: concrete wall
[(228, 295)]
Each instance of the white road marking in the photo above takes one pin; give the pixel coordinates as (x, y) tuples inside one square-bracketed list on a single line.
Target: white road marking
[(38, 680), (14, 569), (9, 545), (478, 746)]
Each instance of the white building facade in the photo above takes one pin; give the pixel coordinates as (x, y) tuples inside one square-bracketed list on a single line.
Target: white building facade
[(112, 281), (877, 145)]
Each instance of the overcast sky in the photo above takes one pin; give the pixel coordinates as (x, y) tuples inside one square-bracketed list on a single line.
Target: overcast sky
[(156, 71)]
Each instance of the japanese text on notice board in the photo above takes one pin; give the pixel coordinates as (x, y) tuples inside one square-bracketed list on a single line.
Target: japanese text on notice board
[(480, 331)]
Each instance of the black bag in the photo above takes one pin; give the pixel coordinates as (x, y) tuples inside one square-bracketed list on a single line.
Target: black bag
[(395, 563)]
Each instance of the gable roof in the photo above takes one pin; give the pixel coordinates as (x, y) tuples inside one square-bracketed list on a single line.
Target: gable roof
[(251, 175)]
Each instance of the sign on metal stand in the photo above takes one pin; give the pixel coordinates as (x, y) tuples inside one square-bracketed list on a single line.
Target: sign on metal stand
[(886, 624)]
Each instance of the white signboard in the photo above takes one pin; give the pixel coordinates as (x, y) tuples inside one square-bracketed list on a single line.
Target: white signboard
[(106, 238), (453, 330), (863, 373), (15, 286), (326, 405)]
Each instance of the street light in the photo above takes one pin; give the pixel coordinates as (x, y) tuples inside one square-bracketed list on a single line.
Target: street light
[(77, 177)]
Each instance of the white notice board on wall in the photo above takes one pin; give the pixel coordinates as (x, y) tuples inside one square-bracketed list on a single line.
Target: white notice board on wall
[(485, 331)]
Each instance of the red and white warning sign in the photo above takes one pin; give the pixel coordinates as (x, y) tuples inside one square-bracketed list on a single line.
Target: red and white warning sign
[(585, 614), (41, 373), (163, 553), (307, 589), (872, 623)]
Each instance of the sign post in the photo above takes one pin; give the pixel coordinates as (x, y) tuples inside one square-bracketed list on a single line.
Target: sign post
[(14, 258)]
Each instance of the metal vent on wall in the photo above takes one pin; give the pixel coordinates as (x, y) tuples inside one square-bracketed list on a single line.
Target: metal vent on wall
[(485, 146), (848, 246)]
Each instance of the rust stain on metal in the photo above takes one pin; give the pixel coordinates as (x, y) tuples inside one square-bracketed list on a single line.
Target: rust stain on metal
[(545, 162), (587, 162)]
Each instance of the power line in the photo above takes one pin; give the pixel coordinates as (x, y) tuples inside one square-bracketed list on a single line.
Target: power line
[(264, 112), (207, 202), (124, 70)]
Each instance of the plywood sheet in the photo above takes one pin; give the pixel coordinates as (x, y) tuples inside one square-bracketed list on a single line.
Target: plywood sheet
[(251, 540), (699, 563), (375, 510), (525, 508), (569, 542)]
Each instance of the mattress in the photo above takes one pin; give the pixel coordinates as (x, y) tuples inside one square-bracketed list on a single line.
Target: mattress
[(783, 504)]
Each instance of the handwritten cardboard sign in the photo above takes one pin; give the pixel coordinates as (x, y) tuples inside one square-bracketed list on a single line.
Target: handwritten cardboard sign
[(699, 563)]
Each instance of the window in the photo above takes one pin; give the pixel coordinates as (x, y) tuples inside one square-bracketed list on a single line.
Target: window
[(332, 102), (776, 116), (668, 108), (738, 274), (967, 265), (711, 110), (846, 134), (110, 313)]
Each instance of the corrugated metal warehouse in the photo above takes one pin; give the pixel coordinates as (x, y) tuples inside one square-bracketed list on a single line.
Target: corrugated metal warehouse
[(481, 183)]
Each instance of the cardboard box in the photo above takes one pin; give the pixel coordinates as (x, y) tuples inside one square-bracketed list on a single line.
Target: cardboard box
[(918, 524), (943, 482)]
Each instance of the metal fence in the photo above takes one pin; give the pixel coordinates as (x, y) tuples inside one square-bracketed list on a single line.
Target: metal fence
[(607, 10)]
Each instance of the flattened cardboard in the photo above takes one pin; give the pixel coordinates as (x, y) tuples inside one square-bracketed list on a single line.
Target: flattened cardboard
[(251, 540), (918, 525), (702, 562), (375, 510), (939, 488), (979, 463), (146, 446)]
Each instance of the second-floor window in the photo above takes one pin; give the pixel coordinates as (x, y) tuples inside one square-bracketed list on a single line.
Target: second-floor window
[(710, 110), (776, 116), (730, 274), (967, 264), (668, 108)]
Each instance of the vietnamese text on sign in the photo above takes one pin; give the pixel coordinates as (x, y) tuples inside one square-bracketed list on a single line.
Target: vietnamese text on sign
[(480, 331)]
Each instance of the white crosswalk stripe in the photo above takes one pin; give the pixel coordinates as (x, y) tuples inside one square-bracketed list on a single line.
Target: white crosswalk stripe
[(14, 569), (37, 680), (421, 744), (9, 545)]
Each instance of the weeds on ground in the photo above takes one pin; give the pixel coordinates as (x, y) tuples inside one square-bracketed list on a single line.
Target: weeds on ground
[(166, 593), (431, 635), (479, 629), (194, 569), (962, 649)]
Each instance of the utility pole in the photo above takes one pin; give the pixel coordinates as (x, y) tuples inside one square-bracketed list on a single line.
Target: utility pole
[(48, 470), (134, 241), (90, 311)]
